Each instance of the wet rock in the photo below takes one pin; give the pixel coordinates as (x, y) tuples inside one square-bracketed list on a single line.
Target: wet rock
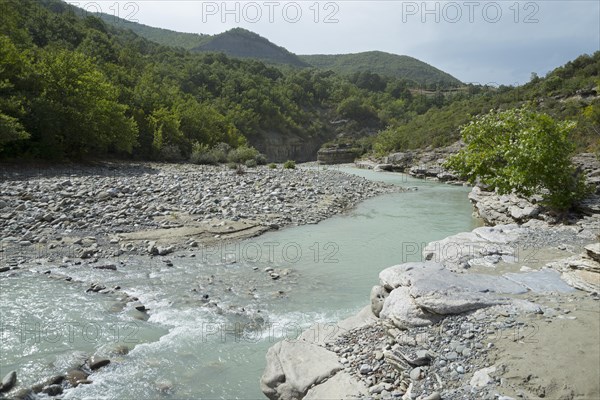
[(111, 267), (8, 382), (98, 362), (139, 306), (52, 390), (75, 377)]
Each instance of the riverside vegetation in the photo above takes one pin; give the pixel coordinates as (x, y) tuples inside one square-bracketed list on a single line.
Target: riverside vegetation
[(76, 87)]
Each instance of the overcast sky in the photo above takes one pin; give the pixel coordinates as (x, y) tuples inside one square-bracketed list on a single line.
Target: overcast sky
[(485, 42)]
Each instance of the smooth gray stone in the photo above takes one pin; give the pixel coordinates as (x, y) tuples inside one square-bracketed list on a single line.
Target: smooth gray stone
[(542, 281)]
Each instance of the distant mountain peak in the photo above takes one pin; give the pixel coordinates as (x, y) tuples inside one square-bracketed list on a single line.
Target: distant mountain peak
[(240, 42)]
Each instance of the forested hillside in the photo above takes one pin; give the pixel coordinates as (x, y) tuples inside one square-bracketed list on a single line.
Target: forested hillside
[(384, 64), (165, 37), (569, 92), (75, 87)]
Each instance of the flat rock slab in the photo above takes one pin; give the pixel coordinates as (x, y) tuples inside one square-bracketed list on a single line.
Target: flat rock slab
[(294, 366), (427, 277), (542, 281), (341, 386)]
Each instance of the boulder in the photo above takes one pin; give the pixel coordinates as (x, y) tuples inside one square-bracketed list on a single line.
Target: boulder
[(401, 309), (341, 386), (401, 275), (294, 366)]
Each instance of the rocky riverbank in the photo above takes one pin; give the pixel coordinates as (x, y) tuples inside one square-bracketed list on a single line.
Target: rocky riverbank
[(90, 212), (496, 313)]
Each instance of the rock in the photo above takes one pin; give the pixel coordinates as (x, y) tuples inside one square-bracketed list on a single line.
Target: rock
[(341, 386), (111, 267), (524, 214), (400, 275), (152, 249), (433, 396), (416, 374), (593, 251), (163, 251), (4, 269), (52, 390), (364, 369), (8, 381), (378, 296), (294, 366), (76, 377), (401, 309), (482, 378), (98, 362), (543, 281), (139, 306)]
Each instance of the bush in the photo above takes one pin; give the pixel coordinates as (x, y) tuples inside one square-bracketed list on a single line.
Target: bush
[(202, 154), (273, 166), (251, 163), (289, 164), (170, 153), (243, 154), (522, 151)]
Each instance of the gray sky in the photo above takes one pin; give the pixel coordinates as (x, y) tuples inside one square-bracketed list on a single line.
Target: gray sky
[(482, 42)]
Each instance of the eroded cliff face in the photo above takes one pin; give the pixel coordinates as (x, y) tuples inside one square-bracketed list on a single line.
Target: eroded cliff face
[(279, 147)]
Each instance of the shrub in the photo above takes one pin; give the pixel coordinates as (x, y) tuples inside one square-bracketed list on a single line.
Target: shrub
[(289, 164), (243, 154), (272, 166), (522, 151), (170, 153), (251, 163)]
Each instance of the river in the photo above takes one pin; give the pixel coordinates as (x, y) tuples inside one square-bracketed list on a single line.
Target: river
[(190, 348)]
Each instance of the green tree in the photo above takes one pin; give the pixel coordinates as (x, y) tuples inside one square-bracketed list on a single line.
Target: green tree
[(522, 151), (14, 72), (77, 112)]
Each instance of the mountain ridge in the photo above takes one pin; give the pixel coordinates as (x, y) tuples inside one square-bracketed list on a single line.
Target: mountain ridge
[(243, 43), (382, 63)]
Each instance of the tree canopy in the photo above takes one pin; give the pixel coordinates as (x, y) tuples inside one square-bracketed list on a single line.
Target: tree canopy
[(523, 151)]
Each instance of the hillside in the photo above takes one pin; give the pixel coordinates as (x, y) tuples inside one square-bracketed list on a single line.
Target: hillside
[(75, 87), (242, 43), (161, 36), (570, 92), (385, 64)]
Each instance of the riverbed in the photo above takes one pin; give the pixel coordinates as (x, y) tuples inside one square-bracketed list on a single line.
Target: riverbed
[(214, 311)]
